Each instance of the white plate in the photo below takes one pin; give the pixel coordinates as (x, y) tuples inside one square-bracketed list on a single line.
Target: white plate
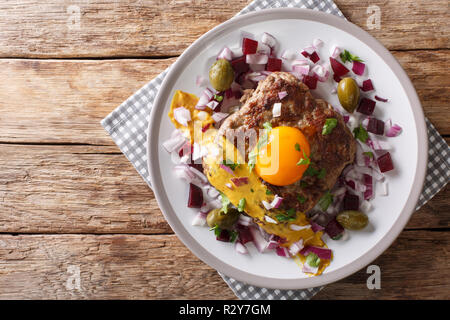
[(296, 29)]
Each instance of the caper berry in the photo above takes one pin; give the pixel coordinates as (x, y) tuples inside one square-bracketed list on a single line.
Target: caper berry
[(348, 94), (221, 75), (221, 219), (352, 219)]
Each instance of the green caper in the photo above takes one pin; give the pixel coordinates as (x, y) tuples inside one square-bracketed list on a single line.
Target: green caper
[(348, 94), (221, 75), (352, 219), (221, 219)]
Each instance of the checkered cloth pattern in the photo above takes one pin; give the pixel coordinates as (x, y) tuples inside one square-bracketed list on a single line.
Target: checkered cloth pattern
[(127, 125)]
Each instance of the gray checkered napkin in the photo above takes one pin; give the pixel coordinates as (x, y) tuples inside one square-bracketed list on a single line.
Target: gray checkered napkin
[(127, 125)]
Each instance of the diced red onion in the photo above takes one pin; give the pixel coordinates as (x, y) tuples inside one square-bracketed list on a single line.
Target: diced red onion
[(382, 188), (198, 152), (199, 219), (308, 269), (381, 99), (296, 247), (240, 248), (301, 69), (295, 227), (241, 181), (316, 227), (257, 58), (282, 94), (335, 51), (257, 67), (212, 104), (368, 182), (365, 206), (256, 76), (270, 220), (276, 110), (227, 169), (358, 68), (260, 243), (300, 62), (392, 130), (263, 48), (184, 172), (377, 145), (182, 115), (226, 54), (204, 99), (338, 68), (236, 52), (276, 202), (321, 72), (268, 39), (229, 186), (317, 43), (282, 252), (245, 220), (175, 142), (219, 116), (266, 205), (322, 253)]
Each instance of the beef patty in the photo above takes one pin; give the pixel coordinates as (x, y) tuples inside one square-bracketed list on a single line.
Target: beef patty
[(331, 152)]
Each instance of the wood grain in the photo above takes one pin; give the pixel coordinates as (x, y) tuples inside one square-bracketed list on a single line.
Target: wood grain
[(160, 267), (95, 189), (70, 97), (123, 28)]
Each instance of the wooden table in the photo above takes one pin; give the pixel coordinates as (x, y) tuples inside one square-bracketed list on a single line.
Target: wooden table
[(71, 203)]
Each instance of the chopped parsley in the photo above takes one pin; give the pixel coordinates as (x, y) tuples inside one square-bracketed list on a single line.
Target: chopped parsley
[(268, 192), (230, 164), (297, 147), (361, 134), (225, 203), (312, 259), (311, 171), (305, 160), (241, 205), (301, 199), (303, 184), (368, 154), (218, 98), (217, 230), (233, 235), (290, 215), (325, 201), (267, 126), (329, 125), (347, 56)]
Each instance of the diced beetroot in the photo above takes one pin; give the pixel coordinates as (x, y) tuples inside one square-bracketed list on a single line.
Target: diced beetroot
[(229, 93), (314, 57), (375, 126), (367, 85), (366, 106), (237, 94), (334, 229), (368, 182), (310, 81), (249, 46), (274, 64), (316, 227), (187, 148), (385, 162), (351, 202), (195, 196), (381, 99), (338, 68), (351, 184), (224, 236), (305, 54), (240, 65), (336, 78), (358, 68), (244, 234)]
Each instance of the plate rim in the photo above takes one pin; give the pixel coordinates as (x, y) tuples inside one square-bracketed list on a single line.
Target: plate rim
[(390, 235)]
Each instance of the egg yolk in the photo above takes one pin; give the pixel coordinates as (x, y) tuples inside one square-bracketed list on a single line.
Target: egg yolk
[(280, 162)]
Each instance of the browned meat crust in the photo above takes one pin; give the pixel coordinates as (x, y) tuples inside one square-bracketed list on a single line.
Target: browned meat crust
[(299, 109)]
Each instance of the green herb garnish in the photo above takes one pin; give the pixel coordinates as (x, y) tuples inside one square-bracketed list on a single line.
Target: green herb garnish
[(361, 134), (311, 171), (368, 154), (241, 205), (267, 126), (303, 184), (305, 160), (218, 98), (329, 125), (233, 235), (325, 201), (217, 230), (347, 56), (268, 192), (312, 259), (290, 215), (297, 147), (301, 199), (230, 164), (225, 203), (252, 190)]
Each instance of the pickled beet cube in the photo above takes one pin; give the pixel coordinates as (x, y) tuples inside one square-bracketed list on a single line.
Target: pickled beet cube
[(375, 126), (310, 81), (334, 229), (249, 46), (195, 196), (385, 162), (338, 68), (305, 54), (244, 234), (351, 202), (314, 57), (274, 64), (336, 78), (240, 65), (223, 236), (366, 106), (367, 85)]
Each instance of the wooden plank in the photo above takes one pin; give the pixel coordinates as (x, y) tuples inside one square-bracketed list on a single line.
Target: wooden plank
[(94, 189), (160, 267), (407, 271), (70, 97), (166, 28)]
